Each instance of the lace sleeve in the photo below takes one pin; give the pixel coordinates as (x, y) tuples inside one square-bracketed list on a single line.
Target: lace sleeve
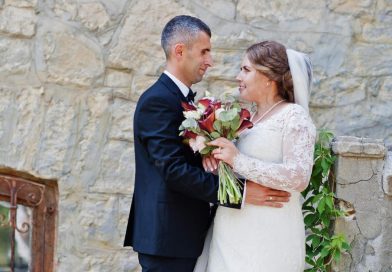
[(293, 174)]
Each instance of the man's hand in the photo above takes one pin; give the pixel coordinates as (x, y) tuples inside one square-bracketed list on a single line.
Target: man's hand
[(260, 195), (210, 164)]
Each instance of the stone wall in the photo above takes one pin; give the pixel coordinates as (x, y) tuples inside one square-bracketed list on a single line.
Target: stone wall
[(360, 170), (71, 72)]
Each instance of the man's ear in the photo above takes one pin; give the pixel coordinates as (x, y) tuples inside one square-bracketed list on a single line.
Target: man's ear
[(179, 49)]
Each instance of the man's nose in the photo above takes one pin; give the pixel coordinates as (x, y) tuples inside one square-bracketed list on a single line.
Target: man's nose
[(209, 61)]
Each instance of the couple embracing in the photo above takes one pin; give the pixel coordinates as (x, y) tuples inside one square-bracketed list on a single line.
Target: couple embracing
[(175, 195)]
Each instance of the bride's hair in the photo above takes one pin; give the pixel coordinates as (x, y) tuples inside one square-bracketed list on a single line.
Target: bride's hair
[(270, 58)]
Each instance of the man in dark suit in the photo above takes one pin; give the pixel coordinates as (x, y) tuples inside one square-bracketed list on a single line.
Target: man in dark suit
[(170, 212)]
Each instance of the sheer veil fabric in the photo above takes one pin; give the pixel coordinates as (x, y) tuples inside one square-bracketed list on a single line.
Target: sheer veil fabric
[(301, 72)]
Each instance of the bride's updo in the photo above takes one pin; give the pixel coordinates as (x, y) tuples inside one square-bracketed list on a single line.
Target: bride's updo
[(270, 58)]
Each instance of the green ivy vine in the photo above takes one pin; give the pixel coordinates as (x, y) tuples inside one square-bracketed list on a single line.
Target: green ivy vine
[(322, 247)]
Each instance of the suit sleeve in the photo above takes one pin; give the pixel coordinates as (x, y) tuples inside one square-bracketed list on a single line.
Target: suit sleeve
[(157, 124)]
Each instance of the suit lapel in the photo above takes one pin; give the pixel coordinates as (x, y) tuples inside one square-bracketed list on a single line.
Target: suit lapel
[(172, 87)]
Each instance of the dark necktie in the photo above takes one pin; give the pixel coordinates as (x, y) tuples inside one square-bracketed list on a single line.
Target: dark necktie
[(191, 96)]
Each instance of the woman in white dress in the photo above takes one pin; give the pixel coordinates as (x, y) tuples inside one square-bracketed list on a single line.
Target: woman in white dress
[(278, 153)]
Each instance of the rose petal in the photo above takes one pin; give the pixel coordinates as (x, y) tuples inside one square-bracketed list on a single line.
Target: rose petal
[(187, 106), (208, 123), (244, 114), (189, 134), (205, 102), (244, 125)]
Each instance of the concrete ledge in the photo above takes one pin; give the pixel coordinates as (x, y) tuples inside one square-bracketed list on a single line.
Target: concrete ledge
[(348, 146), (387, 175)]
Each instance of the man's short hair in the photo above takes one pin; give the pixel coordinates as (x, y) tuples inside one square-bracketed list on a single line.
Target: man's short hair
[(182, 29)]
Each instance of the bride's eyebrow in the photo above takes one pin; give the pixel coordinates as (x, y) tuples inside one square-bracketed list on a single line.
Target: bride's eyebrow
[(245, 67)]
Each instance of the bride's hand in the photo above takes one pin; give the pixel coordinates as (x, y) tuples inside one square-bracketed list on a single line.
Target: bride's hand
[(226, 150)]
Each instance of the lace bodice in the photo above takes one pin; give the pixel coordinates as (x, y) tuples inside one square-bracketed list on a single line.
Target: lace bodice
[(278, 152)]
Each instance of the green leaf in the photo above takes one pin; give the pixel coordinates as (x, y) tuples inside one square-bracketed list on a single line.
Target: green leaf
[(309, 219), (235, 124), (329, 202), (336, 255), (214, 135), (229, 115), (189, 123), (218, 126), (206, 150)]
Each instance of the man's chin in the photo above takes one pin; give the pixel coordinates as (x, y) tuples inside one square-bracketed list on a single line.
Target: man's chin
[(197, 80)]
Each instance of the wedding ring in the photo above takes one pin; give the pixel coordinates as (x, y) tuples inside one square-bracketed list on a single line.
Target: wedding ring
[(270, 198)]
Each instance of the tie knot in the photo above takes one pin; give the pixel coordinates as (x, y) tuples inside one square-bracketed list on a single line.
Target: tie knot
[(191, 96)]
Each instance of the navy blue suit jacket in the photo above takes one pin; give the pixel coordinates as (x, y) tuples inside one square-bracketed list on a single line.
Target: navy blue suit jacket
[(170, 212)]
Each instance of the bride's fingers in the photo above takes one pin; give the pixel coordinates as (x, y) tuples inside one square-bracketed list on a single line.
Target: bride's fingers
[(220, 142)]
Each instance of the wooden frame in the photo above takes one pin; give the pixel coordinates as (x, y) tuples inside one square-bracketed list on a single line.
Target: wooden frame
[(42, 197)]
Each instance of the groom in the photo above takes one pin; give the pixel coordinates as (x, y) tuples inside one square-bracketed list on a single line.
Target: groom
[(170, 212)]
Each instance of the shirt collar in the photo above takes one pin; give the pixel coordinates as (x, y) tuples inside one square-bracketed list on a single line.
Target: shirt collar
[(183, 88)]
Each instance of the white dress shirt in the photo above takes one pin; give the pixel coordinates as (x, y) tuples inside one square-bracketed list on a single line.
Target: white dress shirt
[(183, 88)]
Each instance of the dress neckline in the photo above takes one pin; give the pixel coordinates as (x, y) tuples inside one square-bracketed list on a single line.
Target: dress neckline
[(274, 114)]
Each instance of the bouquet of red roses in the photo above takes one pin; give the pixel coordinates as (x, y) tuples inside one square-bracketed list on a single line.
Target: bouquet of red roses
[(210, 119)]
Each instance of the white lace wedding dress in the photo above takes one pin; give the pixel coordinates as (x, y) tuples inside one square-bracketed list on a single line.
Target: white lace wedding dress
[(278, 153)]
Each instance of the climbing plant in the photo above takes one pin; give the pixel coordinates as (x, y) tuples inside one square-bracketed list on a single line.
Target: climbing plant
[(322, 246)]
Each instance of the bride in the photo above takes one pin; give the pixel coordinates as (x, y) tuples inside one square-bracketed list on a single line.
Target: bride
[(278, 153)]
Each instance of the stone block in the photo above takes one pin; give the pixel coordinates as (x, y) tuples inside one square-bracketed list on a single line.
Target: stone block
[(18, 21), (21, 3), (93, 16), (140, 84), (363, 60), (226, 9), (358, 171), (123, 210), (142, 53), (24, 144), (122, 120), (118, 78), (377, 33), (15, 56), (219, 88), (359, 147), (97, 218), (57, 136), (7, 122), (385, 93), (116, 170), (65, 57), (266, 12), (226, 64), (350, 7)]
